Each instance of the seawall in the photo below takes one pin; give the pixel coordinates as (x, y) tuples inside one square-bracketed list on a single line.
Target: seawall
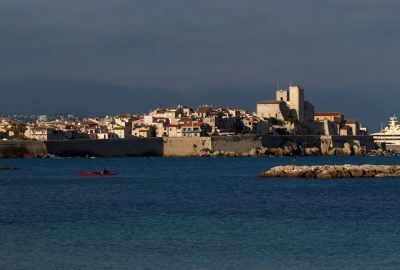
[(184, 147), (107, 148), (237, 144), (12, 149), (181, 147), (305, 141)]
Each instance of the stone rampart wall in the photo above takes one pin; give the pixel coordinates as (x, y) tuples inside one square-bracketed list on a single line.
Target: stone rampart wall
[(306, 141), (192, 146), (107, 148), (237, 144), (187, 146), (22, 149)]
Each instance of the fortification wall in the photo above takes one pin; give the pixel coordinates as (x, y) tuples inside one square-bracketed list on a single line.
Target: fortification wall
[(187, 146), (237, 144), (306, 141), (22, 149), (107, 148)]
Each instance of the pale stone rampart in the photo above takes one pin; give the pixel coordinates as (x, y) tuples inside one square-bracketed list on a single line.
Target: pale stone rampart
[(107, 148), (237, 144), (185, 146), (22, 149)]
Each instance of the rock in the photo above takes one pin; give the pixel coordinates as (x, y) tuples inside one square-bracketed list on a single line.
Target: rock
[(230, 154), (5, 168), (356, 172), (323, 174), (311, 151), (278, 152), (369, 171), (347, 149), (296, 173), (339, 152), (290, 148), (244, 154), (253, 152), (216, 154), (310, 174), (356, 150), (205, 152), (331, 152), (343, 174), (263, 151), (385, 170), (396, 170), (328, 171)]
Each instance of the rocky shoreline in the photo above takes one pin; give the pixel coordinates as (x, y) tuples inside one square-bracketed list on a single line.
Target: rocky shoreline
[(292, 149), (332, 171)]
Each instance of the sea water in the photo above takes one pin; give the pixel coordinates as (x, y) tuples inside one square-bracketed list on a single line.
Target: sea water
[(195, 213)]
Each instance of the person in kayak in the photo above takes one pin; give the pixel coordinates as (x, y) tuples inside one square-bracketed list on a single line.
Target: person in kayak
[(104, 171)]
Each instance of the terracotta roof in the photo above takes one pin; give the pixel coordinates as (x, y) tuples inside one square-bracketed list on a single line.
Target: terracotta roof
[(191, 124), (185, 119), (43, 127), (351, 121)]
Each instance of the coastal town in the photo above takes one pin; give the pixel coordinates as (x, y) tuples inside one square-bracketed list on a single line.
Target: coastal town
[(288, 113)]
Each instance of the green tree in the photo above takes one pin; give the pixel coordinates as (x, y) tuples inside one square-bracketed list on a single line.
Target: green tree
[(18, 129)]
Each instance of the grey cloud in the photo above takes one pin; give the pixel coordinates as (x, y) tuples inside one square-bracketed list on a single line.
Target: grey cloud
[(331, 46)]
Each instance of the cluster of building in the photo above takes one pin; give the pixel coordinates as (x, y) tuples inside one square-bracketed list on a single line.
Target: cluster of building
[(288, 113), (297, 115)]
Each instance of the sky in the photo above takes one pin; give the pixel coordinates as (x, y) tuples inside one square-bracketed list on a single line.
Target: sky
[(75, 56)]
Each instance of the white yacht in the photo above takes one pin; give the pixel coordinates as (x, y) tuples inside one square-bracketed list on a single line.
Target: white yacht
[(389, 135)]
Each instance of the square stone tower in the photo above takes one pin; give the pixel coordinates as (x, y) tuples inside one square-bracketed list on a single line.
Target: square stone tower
[(296, 101), (282, 95)]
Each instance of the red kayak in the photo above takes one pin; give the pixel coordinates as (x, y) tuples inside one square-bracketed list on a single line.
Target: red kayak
[(97, 173)]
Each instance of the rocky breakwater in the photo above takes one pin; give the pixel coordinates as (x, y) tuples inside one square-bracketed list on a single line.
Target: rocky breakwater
[(333, 171), (5, 168)]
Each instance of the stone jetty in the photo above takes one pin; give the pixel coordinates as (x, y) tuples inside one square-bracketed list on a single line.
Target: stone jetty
[(333, 171), (4, 168)]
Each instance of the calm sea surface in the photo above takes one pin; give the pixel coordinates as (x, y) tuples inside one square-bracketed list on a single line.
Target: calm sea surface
[(194, 213)]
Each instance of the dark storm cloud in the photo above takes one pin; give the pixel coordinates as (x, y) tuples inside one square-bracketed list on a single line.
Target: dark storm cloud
[(327, 46)]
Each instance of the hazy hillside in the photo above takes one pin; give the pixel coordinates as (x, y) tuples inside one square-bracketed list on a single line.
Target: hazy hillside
[(88, 98)]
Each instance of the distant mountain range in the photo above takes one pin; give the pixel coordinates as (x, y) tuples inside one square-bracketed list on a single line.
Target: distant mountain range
[(93, 98), (87, 97)]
